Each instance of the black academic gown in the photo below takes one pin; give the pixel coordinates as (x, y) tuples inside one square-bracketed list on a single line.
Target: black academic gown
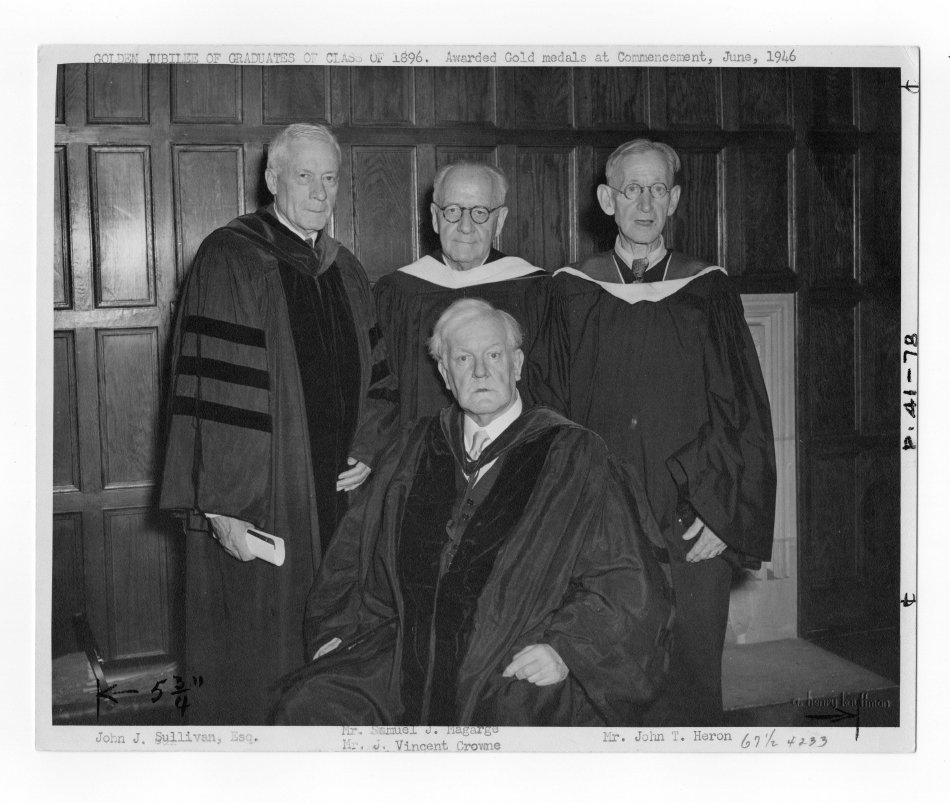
[(675, 389), (408, 307), (239, 445), (572, 569)]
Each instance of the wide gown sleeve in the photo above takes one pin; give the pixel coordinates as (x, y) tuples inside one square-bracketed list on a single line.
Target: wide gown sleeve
[(380, 406), (391, 308), (612, 627), (728, 471), (548, 361), (354, 591), (219, 445), (398, 314)]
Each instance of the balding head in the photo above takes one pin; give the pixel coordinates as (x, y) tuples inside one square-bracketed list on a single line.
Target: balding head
[(471, 171), (468, 211)]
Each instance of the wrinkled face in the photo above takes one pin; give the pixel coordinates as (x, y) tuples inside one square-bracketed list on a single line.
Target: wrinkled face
[(481, 369), (305, 183), (640, 222), (465, 243)]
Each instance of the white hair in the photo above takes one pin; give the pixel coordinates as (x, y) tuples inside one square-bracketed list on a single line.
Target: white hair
[(463, 311), (498, 179), (641, 146), (277, 150)]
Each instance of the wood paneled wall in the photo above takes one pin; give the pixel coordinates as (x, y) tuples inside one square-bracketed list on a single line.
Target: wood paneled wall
[(788, 176), (847, 237)]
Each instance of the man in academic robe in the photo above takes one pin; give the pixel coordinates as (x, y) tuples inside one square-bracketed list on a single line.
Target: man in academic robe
[(494, 570), (280, 398), (650, 349), (468, 213)]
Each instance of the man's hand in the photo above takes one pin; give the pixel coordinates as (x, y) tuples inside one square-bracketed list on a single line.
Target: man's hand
[(352, 478), (232, 535), (538, 664), (330, 646), (709, 545)]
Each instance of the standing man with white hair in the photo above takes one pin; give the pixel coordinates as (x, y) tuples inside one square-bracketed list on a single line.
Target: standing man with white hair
[(280, 397), (468, 213)]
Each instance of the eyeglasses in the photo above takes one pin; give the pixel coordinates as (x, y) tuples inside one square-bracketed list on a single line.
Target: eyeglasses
[(479, 214), (632, 191)]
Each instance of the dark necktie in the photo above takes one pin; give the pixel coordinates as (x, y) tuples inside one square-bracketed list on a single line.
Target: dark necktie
[(634, 273), (479, 440), (639, 267)]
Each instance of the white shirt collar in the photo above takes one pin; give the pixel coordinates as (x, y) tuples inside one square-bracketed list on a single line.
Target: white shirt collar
[(496, 427), (310, 238), (627, 255)]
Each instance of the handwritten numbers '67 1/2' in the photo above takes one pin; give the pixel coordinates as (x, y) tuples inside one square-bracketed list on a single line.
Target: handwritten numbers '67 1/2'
[(754, 741)]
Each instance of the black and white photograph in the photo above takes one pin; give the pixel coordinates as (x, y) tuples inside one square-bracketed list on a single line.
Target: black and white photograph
[(477, 398), (291, 289)]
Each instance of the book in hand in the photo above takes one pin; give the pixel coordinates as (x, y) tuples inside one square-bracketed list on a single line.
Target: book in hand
[(266, 547)]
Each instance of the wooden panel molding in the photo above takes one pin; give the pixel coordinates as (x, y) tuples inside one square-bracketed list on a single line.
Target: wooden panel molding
[(139, 564), (206, 94), (66, 476), (831, 382), (546, 190), (832, 98), (384, 223), (59, 111), (62, 269), (831, 222), (763, 98), (694, 226), (692, 98), (758, 201), (879, 228), (128, 404), (829, 537), (464, 96), (296, 95), (879, 350), (614, 97), (69, 595), (879, 100), (120, 183), (118, 93), (209, 192), (530, 98), (380, 96)]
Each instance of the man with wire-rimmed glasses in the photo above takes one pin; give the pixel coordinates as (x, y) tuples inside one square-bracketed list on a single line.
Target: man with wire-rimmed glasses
[(468, 213), (650, 349), (640, 194)]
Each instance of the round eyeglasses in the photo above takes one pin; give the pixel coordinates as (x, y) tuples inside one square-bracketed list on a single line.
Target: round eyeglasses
[(632, 191), (479, 214)]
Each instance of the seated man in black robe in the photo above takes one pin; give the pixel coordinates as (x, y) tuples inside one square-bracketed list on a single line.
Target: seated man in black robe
[(280, 399), (468, 213), (493, 571), (650, 349)]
